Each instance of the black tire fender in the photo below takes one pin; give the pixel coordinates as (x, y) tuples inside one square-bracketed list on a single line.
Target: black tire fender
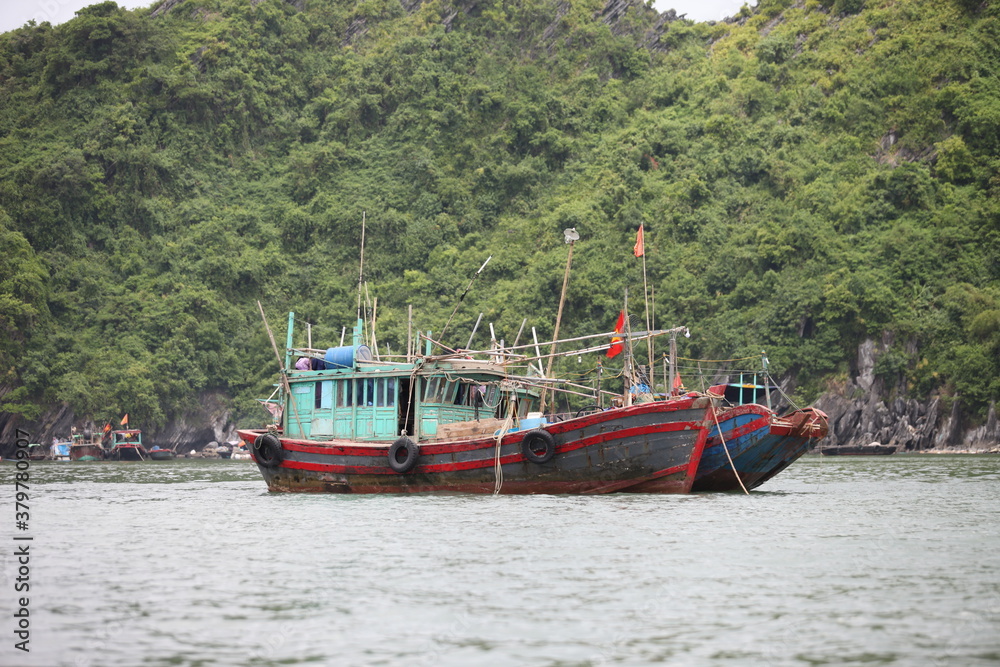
[(538, 446), (267, 450), (410, 451)]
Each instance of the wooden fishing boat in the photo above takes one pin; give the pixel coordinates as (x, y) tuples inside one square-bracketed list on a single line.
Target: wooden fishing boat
[(38, 452), (126, 445), (759, 442), (755, 443), (59, 451), (451, 423), (86, 447), (874, 449), (760, 445), (157, 453)]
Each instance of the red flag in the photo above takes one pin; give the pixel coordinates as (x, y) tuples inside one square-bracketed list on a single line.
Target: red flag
[(640, 246), (678, 385), (107, 427), (125, 420), (616, 342)]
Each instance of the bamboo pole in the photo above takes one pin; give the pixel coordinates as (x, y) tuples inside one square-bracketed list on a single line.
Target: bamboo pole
[(284, 373), (645, 292), (409, 332), (361, 265), (538, 350), (555, 334)]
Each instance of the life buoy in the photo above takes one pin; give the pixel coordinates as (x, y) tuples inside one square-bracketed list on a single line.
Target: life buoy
[(538, 446), (267, 450), (408, 450)]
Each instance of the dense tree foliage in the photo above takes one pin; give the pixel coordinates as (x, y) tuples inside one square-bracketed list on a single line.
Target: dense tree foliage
[(810, 175)]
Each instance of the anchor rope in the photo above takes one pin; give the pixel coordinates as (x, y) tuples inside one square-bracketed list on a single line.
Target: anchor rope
[(732, 465)]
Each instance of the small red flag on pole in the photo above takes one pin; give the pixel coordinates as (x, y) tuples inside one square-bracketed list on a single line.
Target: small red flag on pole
[(640, 246), (616, 342), (125, 420)]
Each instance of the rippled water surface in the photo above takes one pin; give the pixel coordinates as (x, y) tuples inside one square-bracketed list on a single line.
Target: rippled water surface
[(881, 560)]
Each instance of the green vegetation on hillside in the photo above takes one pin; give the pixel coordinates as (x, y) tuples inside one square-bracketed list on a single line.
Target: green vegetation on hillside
[(815, 174)]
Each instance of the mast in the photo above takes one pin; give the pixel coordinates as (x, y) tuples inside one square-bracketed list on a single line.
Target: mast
[(571, 236), (359, 325), (767, 389), (627, 349)]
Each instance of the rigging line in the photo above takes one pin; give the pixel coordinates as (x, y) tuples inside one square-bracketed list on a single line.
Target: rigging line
[(782, 392), (719, 361)]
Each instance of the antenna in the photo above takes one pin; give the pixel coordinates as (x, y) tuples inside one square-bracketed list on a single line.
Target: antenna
[(476, 275), (361, 267)]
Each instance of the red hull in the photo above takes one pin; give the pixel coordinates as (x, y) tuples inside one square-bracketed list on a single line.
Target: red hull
[(77, 452), (759, 445), (598, 453)]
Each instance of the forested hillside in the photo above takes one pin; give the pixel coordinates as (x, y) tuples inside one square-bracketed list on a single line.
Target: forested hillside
[(810, 175)]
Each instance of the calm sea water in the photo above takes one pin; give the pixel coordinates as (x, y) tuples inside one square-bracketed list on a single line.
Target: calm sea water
[(885, 560)]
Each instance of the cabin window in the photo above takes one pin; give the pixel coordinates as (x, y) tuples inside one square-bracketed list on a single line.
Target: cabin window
[(364, 392), (462, 395), (440, 390), (431, 390), (385, 392), (324, 395), (491, 396), (348, 393)]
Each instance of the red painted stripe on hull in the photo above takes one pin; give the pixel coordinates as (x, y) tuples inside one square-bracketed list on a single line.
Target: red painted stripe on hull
[(749, 427), (400, 484), (478, 463), (311, 447), (585, 475)]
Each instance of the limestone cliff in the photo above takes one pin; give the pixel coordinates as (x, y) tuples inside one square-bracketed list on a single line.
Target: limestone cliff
[(863, 410), (208, 421)]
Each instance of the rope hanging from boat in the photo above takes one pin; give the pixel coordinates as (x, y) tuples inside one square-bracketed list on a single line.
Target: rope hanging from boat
[(732, 465), (508, 423), (409, 400)]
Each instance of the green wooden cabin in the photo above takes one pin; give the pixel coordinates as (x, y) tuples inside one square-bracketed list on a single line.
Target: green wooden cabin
[(363, 399)]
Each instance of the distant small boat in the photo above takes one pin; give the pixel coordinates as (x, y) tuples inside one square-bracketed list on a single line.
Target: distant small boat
[(158, 453), (86, 448), (224, 451), (859, 450), (241, 453), (37, 452), (59, 451), (127, 446)]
